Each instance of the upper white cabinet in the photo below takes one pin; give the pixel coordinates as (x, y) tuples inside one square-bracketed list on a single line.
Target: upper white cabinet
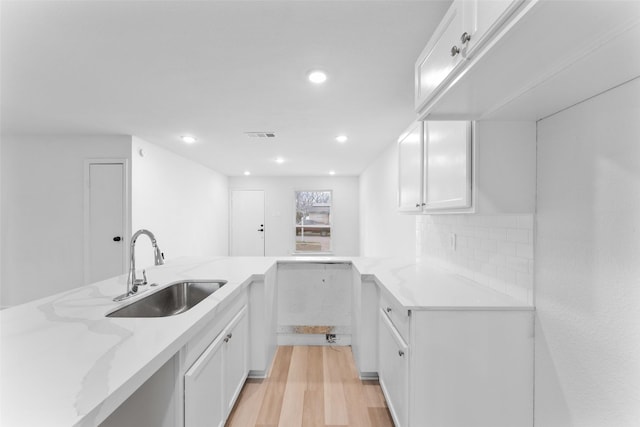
[(525, 60), (236, 355), (447, 178), (485, 167), (465, 27), (203, 392), (481, 19), (411, 163), (435, 161), (441, 55), (214, 381)]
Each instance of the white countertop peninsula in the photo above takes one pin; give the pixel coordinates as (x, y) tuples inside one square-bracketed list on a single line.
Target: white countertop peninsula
[(63, 363)]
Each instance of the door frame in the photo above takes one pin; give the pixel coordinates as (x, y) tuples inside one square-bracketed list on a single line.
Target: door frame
[(126, 220), (264, 214)]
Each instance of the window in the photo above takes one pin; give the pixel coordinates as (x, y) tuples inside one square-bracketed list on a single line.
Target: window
[(313, 221)]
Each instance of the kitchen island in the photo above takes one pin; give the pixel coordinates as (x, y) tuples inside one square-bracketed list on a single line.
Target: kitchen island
[(64, 363)]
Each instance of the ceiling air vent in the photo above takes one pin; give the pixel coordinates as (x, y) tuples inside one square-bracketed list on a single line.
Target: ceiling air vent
[(260, 134)]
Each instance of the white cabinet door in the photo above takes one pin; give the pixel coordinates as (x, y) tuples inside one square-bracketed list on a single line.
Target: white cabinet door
[(235, 358), (448, 168), (203, 388), (410, 168), (440, 56), (481, 19), (393, 370)]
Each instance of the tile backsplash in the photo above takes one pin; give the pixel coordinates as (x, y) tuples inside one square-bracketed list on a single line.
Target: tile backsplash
[(494, 250)]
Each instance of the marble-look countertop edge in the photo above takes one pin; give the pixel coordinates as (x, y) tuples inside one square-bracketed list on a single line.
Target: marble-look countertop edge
[(245, 271)]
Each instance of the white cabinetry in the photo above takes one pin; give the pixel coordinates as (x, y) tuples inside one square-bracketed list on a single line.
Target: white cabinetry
[(487, 167), (411, 168), (525, 60), (466, 26), (393, 369), (214, 381), (435, 166), (440, 56), (451, 367), (203, 392), (262, 323), (364, 341)]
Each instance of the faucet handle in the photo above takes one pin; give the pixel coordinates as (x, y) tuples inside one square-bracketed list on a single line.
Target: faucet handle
[(140, 282)]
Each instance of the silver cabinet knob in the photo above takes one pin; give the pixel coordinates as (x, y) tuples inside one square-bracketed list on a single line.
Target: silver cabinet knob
[(388, 309), (417, 205), (228, 337), (455, 50), (400, 353), (465, 37)]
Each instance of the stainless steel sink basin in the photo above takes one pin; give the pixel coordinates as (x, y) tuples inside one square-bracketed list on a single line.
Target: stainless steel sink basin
[(174, 299)]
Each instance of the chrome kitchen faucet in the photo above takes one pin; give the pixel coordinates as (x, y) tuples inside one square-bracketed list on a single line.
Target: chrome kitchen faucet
[(132, 282)]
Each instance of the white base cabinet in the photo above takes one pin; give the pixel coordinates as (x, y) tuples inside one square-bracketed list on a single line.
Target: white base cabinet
[(471, 368), (448, 367), (203, 393), (214, 381), (393, 373)]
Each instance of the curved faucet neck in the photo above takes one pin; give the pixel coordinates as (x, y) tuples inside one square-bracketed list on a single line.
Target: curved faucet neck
[(157, 255)]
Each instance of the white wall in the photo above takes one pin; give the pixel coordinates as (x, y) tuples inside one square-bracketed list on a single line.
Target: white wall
[(383, 231), (494, 250), (280, 213), (184, 204), (43, 211), (588, 264)]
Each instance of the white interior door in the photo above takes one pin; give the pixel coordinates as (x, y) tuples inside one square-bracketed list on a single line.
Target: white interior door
[(247, 223), (106, 238)]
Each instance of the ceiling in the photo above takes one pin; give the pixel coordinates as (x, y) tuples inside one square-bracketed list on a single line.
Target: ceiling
[(217, 69)]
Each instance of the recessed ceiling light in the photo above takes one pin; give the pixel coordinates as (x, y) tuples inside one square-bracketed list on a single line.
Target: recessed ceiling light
[(247, 173), (332, 172), (279, 160), (342, 138), (317, 77), (188, 139)]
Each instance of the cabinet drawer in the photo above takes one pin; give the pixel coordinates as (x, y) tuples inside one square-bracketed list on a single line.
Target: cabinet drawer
[(398, 316), (202, 339)]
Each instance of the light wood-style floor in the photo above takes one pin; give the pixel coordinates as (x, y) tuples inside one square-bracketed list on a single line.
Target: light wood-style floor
[(311, 387)]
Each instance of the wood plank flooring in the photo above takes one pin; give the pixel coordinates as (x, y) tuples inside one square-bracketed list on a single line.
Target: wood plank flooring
[(311, 387)]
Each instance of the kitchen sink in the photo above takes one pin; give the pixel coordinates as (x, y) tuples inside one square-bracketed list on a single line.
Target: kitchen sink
[(174, 299)]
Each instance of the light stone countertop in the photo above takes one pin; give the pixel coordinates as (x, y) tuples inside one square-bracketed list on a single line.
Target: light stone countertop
[(63, 363)]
